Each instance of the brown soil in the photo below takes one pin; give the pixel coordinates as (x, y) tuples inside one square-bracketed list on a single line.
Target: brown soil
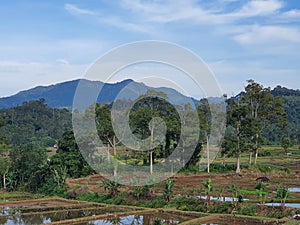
[(184, 184)]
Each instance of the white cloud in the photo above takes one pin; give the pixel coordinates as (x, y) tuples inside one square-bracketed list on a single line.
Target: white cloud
[(268, 34), (172, 11), (20, 75), (73, 9), (146, 16), (289, 16), (108, 19), (295, 13), (63, 61), (118, 23), (260, 8)]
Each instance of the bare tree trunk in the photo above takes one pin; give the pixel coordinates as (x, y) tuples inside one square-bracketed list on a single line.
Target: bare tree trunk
[(151, 150), (115, 146), (250, 158), (256, 149), (108, 154), (224, 160), (207, 152), (256, 156), (115, 156), (151, 162), (238, 164), (4, 181)]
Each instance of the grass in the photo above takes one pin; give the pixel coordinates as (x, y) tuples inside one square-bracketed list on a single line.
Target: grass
[(15, 196)]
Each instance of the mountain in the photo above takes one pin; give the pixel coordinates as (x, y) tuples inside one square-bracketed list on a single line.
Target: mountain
[(61, 95)]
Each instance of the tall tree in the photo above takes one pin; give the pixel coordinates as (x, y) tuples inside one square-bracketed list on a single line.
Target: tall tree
[(106, 132), (145, 124), (286, 143), (236, 140), (205, 125), (263, 109), (27, 162), (68, 155), (5, 161)]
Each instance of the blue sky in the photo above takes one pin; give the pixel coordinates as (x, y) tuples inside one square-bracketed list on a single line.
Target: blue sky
[(46, 42)]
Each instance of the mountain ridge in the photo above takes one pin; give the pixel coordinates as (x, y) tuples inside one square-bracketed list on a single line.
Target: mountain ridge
[(61, 95)]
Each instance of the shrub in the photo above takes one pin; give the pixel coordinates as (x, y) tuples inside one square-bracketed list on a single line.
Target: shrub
[(93, 197), (278, 214), (187, 204), (222, 167), (248, 209), (158, 202), (220, 207), (189, 169), (77, 191), (264, 153), (120, 199)]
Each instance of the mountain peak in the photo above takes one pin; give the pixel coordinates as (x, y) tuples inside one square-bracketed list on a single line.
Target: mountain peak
[(61, 95)]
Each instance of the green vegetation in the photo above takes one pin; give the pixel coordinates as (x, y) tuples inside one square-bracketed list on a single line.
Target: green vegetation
[(28, 164), (34, 122), (111, 186), (168, 190), (282, 194)]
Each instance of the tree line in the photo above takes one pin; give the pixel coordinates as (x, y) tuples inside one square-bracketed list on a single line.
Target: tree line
[(24, 162)]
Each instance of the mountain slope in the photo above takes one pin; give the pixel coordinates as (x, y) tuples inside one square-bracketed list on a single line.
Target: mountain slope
[(34, 122), (61, 95)]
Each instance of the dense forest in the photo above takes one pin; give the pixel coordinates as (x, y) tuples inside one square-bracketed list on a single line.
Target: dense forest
[(34, 122), (256, 117), (291, 104)]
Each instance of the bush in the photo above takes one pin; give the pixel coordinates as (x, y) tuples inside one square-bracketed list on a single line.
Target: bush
[(278, 214), (220, 207), (93, 197), (189, 169), (264, 153), (158, 202), (77, 191), (187, 204), (120, 199), (50, 187), (222, 167), (248, 209)]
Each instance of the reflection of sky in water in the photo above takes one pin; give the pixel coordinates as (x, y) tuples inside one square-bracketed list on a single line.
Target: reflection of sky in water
[(294, 189), (130, 220), (292, 205), (222, 199)]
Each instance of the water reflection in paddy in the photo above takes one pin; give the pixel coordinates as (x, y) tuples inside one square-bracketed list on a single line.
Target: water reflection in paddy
[(10, 216)]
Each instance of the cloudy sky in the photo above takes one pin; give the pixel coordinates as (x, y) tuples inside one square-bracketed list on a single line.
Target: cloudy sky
[(46, 42)]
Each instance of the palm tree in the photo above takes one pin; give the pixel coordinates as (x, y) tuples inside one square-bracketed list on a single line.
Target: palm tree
[(260, 187), (168, 190), (111, 186), (282, 194), (208, 188)]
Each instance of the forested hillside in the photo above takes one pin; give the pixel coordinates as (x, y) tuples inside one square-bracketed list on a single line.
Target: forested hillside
[(37, 121), (34, 122), (291, 103)]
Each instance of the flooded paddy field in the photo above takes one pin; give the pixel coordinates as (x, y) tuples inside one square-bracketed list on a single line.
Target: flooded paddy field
[(57, 211)]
